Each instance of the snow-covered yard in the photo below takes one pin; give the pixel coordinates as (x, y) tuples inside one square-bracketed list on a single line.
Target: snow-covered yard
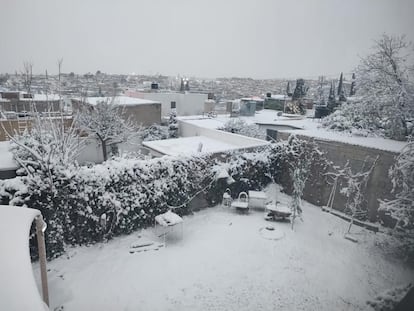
[(229, 261)]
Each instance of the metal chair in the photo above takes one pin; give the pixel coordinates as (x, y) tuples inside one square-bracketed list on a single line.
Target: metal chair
[(241, 203)]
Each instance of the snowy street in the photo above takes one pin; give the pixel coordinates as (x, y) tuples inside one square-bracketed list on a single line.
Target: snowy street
[(228, 261)]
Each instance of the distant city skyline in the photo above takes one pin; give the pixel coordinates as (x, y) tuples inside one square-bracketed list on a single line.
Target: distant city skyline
[(260, 39)]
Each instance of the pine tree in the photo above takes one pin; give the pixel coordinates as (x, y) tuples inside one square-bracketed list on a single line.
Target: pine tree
[(331, 99), (182, 85), (339, 91)]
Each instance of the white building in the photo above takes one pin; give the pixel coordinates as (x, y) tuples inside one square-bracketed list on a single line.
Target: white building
[(186, 104)]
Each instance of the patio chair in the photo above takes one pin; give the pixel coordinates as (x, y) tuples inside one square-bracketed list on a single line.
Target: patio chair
[(227, 199), (241, 203)]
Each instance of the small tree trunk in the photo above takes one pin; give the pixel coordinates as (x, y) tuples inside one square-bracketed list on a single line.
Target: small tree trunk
[(104, 153)]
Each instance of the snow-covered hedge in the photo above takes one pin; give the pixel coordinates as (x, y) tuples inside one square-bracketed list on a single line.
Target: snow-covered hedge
[(83, 205)]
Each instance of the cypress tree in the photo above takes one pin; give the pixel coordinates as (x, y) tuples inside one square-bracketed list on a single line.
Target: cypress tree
[(341, 92), (288, 92), (352, 92)]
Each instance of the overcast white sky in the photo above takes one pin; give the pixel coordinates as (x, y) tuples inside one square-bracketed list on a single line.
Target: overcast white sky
[(204, 38)]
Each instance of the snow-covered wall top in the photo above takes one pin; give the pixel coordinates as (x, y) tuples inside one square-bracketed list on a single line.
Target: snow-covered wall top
[(121, 100)]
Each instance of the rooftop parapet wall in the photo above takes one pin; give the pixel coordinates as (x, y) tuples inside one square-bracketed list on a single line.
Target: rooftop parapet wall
[(186, 130)]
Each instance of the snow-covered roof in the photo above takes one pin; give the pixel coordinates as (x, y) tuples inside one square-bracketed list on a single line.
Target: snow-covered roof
[(121, 100), (300, 125), (279, 96), (7, 163), (42, 97), (18, 290), (257, 99), (192, 145)]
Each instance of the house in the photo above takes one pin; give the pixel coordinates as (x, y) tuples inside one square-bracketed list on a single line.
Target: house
[(143, 112), (184, 103)]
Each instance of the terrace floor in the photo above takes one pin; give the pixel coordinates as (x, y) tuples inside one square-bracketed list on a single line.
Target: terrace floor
[(228, 261)]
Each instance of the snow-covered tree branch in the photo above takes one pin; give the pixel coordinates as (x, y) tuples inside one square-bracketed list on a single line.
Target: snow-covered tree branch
[(402, 207), (385, 93)]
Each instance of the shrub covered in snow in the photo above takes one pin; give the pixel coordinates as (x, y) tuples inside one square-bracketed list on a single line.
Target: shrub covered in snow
[(239, 126), (155, 132)]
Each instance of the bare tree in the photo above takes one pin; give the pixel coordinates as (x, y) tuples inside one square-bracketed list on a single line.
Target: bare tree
[(59, 63), (46, 145), (104, 121), (27, 75)]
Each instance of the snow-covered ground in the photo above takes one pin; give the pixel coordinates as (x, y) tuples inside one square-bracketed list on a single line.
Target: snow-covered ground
[(229, 261)]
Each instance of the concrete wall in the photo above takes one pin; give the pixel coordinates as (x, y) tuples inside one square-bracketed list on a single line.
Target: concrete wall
[(144, 114), (29, 105), (12, 126), (360, 159), (92, 151)]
